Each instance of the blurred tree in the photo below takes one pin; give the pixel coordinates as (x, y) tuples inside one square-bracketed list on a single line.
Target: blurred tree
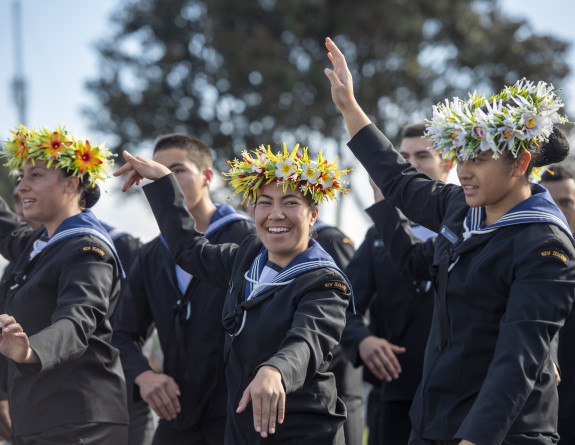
[(241, 73)]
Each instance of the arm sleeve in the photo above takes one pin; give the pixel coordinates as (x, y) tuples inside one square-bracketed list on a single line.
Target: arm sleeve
[(85, 284), (14, 235), (316, 329), (133, 322), (413, 257), (361, 277), (189, 248), (421, 199), (540, 299)]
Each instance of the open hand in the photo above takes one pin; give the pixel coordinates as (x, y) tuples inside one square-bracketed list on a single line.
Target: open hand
[(267, 394), (342, 90)]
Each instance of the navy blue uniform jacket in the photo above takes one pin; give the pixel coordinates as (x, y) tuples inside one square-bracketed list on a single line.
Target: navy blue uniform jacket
[(151, 299), (506, 297), (292, 327), (63, 299), (400, 308)]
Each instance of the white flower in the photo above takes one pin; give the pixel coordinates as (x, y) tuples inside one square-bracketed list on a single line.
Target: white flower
[(457, 134), (479, 132), (260, 163), (326, 180), (508, 133), (533, 124), (310, 172), (284, 169)]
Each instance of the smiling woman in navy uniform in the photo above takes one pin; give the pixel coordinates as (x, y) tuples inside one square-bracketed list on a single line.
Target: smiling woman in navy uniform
[(65, 382), (286, 301), (503, 260)]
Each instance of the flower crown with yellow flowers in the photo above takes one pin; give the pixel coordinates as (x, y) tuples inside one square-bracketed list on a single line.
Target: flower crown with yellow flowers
[(321, 179), (59, 148), (461, 129)]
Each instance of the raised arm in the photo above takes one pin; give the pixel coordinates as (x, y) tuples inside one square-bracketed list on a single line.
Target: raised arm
[(189, 248), (413, 256), (420, 198)]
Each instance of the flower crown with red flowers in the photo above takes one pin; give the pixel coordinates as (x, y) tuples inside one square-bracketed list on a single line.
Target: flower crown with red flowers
[(321, 179), (60, 148)]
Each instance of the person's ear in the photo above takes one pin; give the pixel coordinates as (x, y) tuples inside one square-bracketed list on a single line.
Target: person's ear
[(208, 176), (314, 214), (72, 184), (521, 163)]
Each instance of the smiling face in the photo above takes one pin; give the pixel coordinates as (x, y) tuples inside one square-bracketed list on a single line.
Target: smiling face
[(283, 222), (47, 196), (496, 184)]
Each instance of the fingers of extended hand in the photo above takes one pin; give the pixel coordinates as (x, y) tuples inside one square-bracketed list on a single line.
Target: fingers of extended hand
[(335, 55), (123, 169), (267, 395), (162, 396), (379, 356), (132, 177), (265, 406)]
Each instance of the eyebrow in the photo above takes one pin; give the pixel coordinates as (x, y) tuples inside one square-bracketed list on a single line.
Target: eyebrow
[(176, 164), (34, 167), (286, 196), (418, 152)]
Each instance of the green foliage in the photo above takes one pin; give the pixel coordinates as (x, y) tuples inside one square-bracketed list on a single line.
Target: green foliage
[(241, 73)]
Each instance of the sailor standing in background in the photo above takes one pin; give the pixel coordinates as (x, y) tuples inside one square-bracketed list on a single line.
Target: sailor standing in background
[(190, 394)]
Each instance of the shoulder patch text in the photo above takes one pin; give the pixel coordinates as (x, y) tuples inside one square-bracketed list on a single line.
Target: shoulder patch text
[(94, 249), (552, 253)]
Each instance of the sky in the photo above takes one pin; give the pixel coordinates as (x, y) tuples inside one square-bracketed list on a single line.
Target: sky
[(59, 56)]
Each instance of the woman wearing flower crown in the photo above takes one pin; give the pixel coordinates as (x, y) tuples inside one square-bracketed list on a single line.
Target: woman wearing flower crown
[(286, 301), (503, 261), (65, 381)]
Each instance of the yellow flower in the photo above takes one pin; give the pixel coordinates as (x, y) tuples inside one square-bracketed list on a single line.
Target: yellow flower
[(55, 143), (86, 157)]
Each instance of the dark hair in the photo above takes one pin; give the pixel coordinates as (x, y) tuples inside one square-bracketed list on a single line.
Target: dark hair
[(88, 193), (414, 130), (196, 149), (553, 151), (555, 173)]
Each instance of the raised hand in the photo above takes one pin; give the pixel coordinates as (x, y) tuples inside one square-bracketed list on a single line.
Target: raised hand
[(138, 168), (342, 90)]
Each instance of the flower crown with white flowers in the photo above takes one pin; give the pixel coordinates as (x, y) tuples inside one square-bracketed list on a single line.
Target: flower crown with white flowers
[(60, 148), (261, 167), (460, 130)]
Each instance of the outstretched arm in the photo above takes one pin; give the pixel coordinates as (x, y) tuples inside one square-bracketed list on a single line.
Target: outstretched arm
[(342, 90)]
